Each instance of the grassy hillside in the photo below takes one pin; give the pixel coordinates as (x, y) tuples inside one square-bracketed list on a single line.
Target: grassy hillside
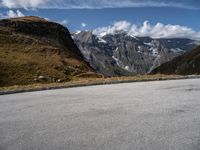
[(186, 64), (34, 50)]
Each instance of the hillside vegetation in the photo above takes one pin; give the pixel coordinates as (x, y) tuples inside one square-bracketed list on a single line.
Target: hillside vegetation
[(186, 64), (35, 50)]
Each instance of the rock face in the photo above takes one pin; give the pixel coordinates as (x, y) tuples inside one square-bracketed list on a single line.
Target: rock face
[(186, 64), (123, 54), (31, 47)]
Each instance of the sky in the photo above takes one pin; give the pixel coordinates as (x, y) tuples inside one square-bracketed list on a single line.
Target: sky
[(155, 18)]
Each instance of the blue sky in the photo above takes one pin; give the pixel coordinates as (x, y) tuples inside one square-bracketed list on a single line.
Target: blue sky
[(92, 14)]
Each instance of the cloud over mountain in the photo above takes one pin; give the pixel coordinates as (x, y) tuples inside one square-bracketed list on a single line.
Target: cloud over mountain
[(83, 24), (12, 14), (92, 4), (64, 22), (158, 30)]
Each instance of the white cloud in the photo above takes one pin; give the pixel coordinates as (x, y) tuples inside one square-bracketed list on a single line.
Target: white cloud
[(24, 3), (79, 4), (158, 30), (13, 14), (83, 24), (64, 22)]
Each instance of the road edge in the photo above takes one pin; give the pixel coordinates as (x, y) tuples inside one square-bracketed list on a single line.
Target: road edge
[(6, 92)]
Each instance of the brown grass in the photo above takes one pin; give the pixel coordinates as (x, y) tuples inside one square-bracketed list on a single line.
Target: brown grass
[(23, 58), (87, 81), (29, 18)]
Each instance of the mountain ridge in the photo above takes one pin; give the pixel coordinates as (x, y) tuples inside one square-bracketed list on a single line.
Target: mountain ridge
[(186, 64), (122, 54)]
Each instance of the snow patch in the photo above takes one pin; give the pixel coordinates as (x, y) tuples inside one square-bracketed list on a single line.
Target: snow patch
[(117, 60), (133, 37), (176, 50), (100, 40), (77, 32), (149, 44), (139, 47), (154, 51), (127, 68)]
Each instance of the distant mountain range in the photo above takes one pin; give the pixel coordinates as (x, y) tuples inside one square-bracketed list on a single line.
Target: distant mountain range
[(34, 50), (122, 54), (186, 64)]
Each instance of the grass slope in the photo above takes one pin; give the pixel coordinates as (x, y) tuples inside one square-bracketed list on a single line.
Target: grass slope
[(34, 50), (186, 64)]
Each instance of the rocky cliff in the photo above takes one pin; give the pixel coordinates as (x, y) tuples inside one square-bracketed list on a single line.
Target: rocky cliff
[(122, 54)]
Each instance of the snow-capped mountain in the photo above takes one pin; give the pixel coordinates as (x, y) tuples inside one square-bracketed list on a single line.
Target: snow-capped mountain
[(123, 54)]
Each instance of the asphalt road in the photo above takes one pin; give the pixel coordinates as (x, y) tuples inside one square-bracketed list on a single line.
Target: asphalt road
[(160, 115)]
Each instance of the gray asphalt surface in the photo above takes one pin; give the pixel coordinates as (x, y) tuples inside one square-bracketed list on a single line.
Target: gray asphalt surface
[(160, 115)]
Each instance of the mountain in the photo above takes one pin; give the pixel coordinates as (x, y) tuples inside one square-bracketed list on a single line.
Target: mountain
[(33, 49), (123, 54), (187, 64)]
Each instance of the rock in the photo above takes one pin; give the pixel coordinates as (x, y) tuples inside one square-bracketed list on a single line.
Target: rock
[(35, 79), (41, 77), (59, 80)]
